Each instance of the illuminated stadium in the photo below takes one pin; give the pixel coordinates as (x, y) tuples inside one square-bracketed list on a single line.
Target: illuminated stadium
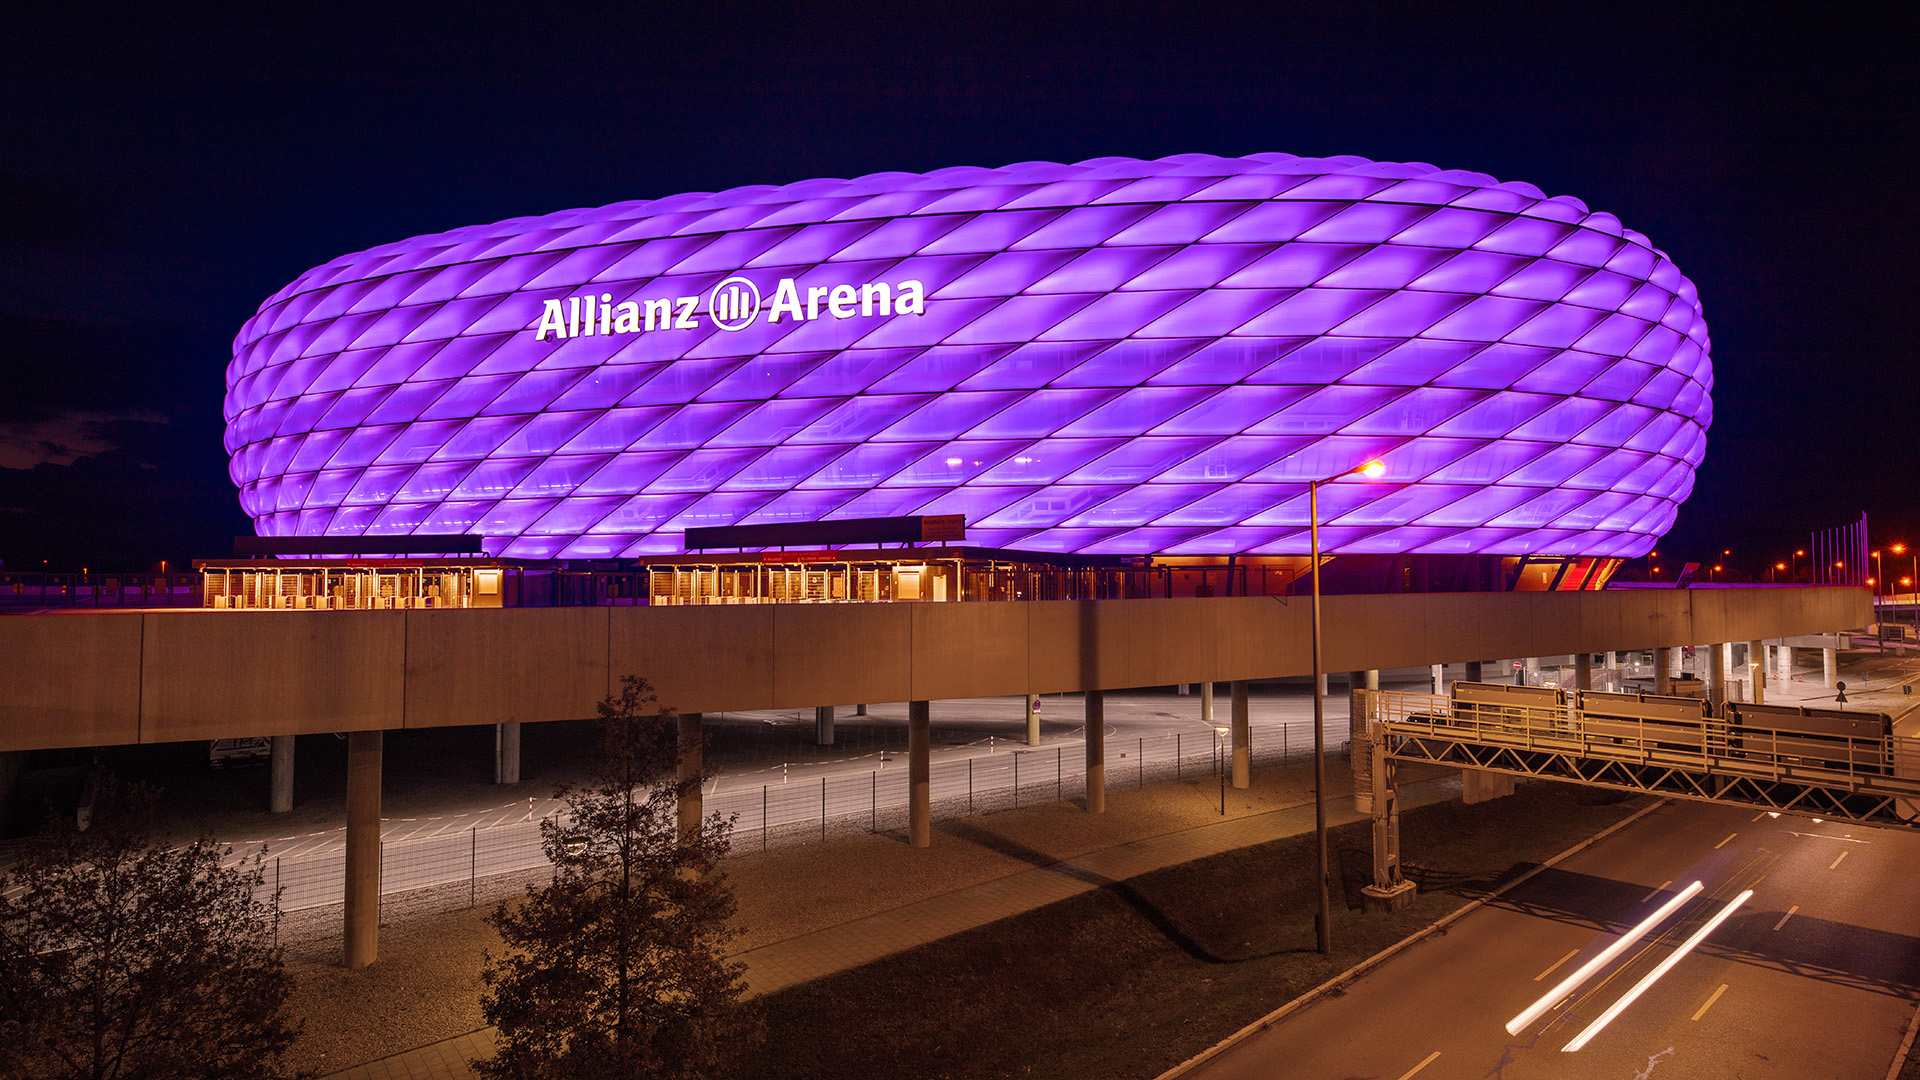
[(1113, 358)]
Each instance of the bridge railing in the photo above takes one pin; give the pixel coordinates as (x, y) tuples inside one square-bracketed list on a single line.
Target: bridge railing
[(1819, 747)]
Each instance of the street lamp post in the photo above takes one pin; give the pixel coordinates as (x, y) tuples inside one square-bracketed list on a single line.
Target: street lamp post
[(1220, 764), (1324, 919), (1901, 549), (1879, 620)]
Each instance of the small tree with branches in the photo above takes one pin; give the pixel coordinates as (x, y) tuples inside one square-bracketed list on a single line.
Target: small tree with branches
[(121, 958), (617, 968)]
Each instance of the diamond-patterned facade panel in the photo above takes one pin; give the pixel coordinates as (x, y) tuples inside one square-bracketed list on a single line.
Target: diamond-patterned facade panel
[(1114, 356)]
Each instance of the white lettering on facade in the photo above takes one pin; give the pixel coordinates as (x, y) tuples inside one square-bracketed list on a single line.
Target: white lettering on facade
[(734, 304)]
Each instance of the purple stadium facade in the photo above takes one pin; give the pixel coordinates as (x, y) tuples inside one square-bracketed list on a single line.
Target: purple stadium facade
[(1110, 357)]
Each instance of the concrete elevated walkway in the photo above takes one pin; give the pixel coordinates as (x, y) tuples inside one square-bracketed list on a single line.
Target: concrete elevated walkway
[(112, 678)]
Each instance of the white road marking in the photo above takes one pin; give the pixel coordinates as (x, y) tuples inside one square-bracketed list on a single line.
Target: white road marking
[(1725, 842), (1759, 815), (1788, 915), (1655, 975), (1836, 862), (1423, 1064), (1656, 891), (1710, 1001), (1556, 965)]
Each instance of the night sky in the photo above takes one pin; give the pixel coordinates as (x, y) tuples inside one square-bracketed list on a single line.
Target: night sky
[(163, 169)]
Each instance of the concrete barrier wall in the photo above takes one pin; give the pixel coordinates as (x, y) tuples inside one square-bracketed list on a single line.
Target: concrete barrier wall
[(165, 676)]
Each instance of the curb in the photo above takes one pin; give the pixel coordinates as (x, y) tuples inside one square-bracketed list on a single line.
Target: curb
[(1906, 1047), (1414, 938)]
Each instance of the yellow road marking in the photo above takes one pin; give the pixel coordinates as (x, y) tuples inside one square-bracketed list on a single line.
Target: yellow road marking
[(1556, 965), (1422, 1065), (1836, 862), (1656, 892), (1788, 915), (1725, 842), (1710, 1001)]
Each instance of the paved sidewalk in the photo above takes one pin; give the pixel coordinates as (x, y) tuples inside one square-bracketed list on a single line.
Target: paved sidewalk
[(851, 944)]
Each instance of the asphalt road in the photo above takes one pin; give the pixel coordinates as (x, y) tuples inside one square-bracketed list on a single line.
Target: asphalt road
[(1815, 976)]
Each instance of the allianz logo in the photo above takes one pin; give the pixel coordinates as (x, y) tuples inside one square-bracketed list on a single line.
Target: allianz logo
[(734, 304)]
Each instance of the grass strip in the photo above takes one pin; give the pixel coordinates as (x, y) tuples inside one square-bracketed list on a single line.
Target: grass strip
[(1138, 976)]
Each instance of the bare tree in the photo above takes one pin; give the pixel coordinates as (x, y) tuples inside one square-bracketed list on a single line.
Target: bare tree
[(617, 968), (122, 959)]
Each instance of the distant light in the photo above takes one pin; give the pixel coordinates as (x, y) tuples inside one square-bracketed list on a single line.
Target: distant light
[(954, 461), (1773, 813), (1374, 470)]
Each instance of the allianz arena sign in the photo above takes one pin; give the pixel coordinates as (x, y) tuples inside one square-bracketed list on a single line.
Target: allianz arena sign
[(1114, 356)]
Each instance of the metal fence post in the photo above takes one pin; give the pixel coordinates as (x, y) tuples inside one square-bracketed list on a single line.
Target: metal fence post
[(473, 863), (969, 785), (1176, 755), (873, 803), (1140, 764), (1016, 779), (763, 817), (1056, 774)]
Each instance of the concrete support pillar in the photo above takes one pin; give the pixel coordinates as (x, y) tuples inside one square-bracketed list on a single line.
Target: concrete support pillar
[(1716, 676), (1583, 671), (1206, 703), (920, 773), (1183, 689), (1033, 719), (506, 753), (280, 782), (1097, 751), (1439, 678), (1360, 756), (1479, 785), (1530, 673), (1242, 735), (363, 848), (1475, 672), (1728, 672), (823, 725), (1370, 680), (1613, 660), (690, 771), (1784, 654), (1663, 671), (859, 710), (1830, 663), (1677, 660), (1757, 671)]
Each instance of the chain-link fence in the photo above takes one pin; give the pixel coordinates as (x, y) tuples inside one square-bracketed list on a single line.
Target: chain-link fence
[(453, 869)]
